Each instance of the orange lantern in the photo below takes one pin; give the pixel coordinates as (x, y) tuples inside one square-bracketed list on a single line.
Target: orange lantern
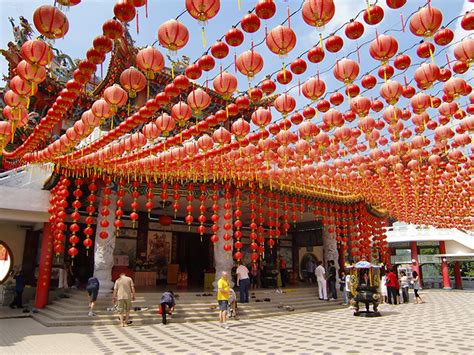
[(346, 70), (101, 109), (426, 21), (464, 50), (261, 117), (31, 72), (151, 61), (281, 40), (36, 52), (133, 81), (249, 63), (240, 129), (360, 105), (284, 104), (50, 22), (115, 97), (225, 84), (318, 13), (313, 88), (426, 74), (391, 91), (221, 136), (383, 47), (198, 100), (173, 35)]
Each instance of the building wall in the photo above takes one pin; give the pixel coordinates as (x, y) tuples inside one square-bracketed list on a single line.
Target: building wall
[(14, 237)]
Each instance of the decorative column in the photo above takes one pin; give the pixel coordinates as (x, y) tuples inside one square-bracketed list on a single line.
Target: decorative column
[(104, 250), (415, 266), (457, 276), (444, 267), (44, 276), (223, 260)]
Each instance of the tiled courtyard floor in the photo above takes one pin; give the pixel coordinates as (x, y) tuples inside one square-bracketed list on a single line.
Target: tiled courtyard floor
[(444, 324)]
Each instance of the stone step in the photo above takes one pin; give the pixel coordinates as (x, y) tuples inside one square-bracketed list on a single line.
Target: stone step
[(50, 319)]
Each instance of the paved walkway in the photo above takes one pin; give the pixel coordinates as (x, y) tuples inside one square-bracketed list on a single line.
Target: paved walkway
[(443, 324)]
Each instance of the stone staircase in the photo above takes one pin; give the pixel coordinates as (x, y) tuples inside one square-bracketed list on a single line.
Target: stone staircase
[(190, 307)]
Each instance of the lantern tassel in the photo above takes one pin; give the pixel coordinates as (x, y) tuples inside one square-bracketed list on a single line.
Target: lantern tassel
[(368, 10), (448, 61), (138, 28), (403, 22), (146, 8), (432, 56), (238, 4), (299, 87), (358, 54), (203, 35), (321, 41), (172, 70)]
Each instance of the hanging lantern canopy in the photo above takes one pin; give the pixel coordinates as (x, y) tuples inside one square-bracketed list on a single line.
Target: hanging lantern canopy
[(50, 22)]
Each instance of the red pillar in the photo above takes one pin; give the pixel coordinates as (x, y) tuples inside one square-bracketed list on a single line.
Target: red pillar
[(44, 276), (342, 257), (457, 276), (444, 267), (415, 266)]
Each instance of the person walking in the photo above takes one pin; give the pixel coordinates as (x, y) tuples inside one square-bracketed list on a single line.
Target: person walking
[(243, 282), (63, 276), (332, 278), (321, 278), (124, 293), (405, 285), (391, 286), (92, 289), (283, 273), (19, 287), (416, 287), (223, 293), (167, 303)]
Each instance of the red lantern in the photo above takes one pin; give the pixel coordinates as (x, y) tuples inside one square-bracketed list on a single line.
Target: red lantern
[(395, 4), (298, 66), (198, 100), (112, 29), (316, 54), (318, 13), (444, 36), (391, 91), (402, 62), (354, 30), (206, 63), (265, 9), (281, 40), (165, 124), (464, 50), (368, 81), (250, 23), (173, 35), (193, 71), (425, 50), (334, 43), (50, 22), (284, 77), (124, 10), (373, 15), (268, 86), (284, 104), (234, 37), (426, 21), (181, 112), (31, 72), (261, 117), (115, 97), (467, 21), (219, 50)]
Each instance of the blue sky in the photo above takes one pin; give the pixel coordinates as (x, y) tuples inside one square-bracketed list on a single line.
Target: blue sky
[(86, 20)]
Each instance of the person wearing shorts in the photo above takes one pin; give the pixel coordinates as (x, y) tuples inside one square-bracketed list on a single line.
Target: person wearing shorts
[(124, 294), (92, 289), (223, 293)]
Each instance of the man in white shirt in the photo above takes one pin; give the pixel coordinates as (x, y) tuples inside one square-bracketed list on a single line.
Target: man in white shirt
[(243, 281), (321, 277)]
